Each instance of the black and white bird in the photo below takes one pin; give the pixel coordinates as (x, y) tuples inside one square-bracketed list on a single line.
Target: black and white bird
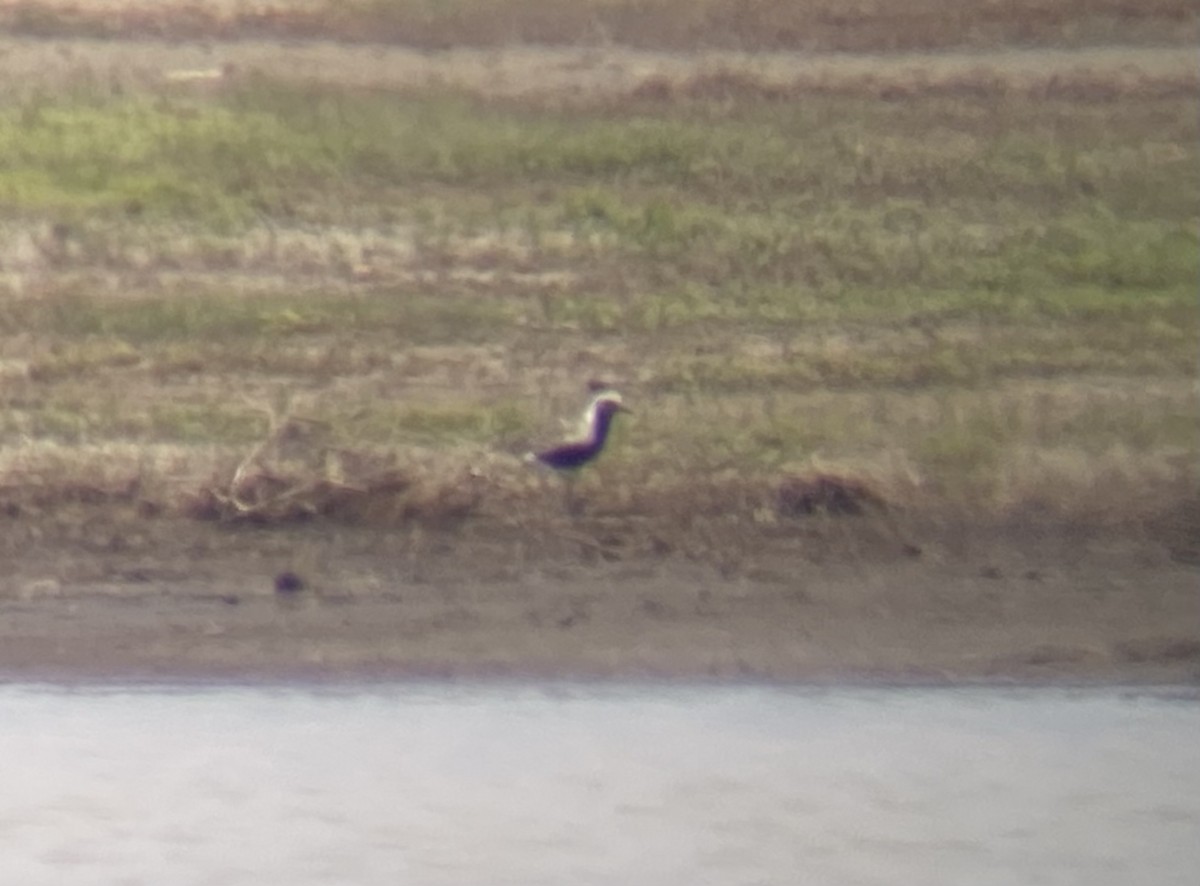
[(571, 455)]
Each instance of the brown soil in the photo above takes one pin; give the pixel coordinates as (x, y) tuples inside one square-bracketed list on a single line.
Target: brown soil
[(587, 74), (865, 597), (98, 590)]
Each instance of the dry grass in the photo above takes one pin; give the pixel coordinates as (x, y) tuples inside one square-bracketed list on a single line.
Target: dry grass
[(956, 79), (298, 472), (911, 290)]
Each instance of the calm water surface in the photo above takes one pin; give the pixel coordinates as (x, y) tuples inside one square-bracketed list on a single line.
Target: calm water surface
[(445, 784)]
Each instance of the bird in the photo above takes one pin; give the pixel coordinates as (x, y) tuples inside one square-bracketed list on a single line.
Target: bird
[(571, 455)]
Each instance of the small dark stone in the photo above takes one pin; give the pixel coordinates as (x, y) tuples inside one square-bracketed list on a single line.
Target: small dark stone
[(288, 582)]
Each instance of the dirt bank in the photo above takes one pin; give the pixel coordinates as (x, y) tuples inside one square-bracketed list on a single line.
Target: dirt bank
[(818, 601), (578, 74)]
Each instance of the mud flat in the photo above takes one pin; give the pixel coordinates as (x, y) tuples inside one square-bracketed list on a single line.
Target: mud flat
[(164, 599)]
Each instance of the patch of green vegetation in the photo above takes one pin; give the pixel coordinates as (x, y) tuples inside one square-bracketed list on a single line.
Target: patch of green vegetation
[(1097, 428), (966, 446), (714, 258), (75, 315), (436, 424), (79, 358), (141, 156), (810, 194), (195, 423), (115, 331), (81, 415)]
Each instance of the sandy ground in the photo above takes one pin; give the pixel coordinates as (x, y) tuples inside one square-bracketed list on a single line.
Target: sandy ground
[(100, 595)]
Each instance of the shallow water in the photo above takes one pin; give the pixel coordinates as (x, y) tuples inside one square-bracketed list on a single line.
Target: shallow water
[(438, 783)]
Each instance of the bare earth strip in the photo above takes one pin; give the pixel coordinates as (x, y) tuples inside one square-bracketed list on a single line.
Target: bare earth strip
[(172, 598), (556, 71), (199, 601)]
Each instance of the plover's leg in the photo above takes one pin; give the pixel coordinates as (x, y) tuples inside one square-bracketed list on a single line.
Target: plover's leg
[(570, 504)]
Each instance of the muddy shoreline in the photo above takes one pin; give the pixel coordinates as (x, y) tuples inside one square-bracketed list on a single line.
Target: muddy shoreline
[(182, 600)]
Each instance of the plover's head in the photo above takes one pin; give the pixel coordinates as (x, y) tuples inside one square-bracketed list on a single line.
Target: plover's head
[(608, 399), (602, 407)]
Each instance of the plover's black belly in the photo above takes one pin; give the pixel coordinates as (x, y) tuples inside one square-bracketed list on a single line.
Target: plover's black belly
[(568, 456)]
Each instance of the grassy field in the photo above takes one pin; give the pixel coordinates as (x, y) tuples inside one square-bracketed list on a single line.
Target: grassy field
[(973, 297)]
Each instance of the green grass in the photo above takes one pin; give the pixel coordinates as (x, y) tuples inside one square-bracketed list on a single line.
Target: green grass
[(130, 157), (775, 282)]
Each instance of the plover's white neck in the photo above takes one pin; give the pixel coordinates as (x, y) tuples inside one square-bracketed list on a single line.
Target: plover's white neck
[(587, 428)]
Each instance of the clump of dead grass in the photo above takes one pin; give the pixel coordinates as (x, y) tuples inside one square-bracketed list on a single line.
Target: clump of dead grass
[(800, 496), (42, 476), (296, 473), (1117, 487)]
